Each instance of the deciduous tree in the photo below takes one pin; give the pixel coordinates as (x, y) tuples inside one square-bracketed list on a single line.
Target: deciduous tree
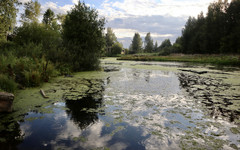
[(136, 43), (32, 12), (148, 43), (83, 37), (8, 12)]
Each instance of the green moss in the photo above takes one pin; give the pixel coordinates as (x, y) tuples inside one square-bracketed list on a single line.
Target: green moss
[(234, 146), (235, 130), (157, 133)]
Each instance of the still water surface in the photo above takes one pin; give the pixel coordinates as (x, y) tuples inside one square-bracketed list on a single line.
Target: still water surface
[(144, 105)]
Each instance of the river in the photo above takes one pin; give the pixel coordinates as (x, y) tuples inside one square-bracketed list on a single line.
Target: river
[(129, 105)]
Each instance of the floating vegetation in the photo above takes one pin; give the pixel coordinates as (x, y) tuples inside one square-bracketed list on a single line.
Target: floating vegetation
[(235, 130), (143, 105)]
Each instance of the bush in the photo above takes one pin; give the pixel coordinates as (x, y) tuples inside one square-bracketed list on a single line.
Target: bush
[(7, 84), (30, 50), (7, 47), (31, 72), (32, 78), (43, 41), (165, 52)]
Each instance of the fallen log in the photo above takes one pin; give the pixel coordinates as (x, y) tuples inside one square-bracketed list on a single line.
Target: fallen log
[(43, 94)]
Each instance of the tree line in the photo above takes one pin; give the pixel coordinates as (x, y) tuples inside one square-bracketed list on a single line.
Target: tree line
[(148, 46), (60, 44), (216, 33)]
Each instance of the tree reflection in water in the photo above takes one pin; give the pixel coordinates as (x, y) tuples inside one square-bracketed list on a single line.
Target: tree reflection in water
[(11, 136), (84, 112)]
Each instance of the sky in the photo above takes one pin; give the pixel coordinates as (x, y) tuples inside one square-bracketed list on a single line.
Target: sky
[(164, 19)]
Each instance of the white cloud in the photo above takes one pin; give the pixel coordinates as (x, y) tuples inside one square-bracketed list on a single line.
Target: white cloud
[(57, 9), (163, 18), (75, 1), (153, 7), (24, 1), (123, 33)]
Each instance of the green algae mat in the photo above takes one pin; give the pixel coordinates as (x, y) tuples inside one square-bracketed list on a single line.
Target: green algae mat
[(129, 105)]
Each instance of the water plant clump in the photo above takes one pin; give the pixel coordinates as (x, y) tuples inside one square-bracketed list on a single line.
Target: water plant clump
[(214, 93)]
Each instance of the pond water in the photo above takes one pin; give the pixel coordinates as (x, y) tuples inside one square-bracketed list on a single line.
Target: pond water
[(131, 105)]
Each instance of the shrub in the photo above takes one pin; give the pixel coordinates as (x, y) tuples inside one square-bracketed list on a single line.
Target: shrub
[(7, 84), (32, 78), (30, 50)]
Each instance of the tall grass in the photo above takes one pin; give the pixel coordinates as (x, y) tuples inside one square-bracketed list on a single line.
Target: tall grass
[(7, 84)]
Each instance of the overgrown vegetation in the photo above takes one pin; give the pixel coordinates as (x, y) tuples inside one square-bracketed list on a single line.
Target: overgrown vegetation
[(233, 60), (34, 52)]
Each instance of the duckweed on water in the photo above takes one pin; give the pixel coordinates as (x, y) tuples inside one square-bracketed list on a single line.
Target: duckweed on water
[(118, 128), (235, 130), (81, 139), (30, 100)]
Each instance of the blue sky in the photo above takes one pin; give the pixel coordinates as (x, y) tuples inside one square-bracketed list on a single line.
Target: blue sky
[(164, 19)]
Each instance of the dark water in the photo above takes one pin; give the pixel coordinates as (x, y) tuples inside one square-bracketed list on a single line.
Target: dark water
[(142, 106)]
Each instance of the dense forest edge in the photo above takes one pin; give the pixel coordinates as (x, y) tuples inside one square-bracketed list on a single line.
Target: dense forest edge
[(214, 38), (60, 44)]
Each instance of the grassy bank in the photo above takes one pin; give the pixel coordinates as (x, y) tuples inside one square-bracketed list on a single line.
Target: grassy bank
[(231, 60)]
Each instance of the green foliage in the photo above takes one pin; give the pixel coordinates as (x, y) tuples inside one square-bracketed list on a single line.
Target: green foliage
[(148, 43), (155, 47), (165, 51), (31, 72), (48, 17), (83, 38), (207, 59), (110, 37), (8, 12), (32, 12), (6, 47), (37, 40), (165, 43), (117, 48), (216, 33), (111, 40), (30, 50), (32, 78), (136, 46), (7, 84)]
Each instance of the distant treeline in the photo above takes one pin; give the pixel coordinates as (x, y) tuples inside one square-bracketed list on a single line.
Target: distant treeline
[(218, 32)]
